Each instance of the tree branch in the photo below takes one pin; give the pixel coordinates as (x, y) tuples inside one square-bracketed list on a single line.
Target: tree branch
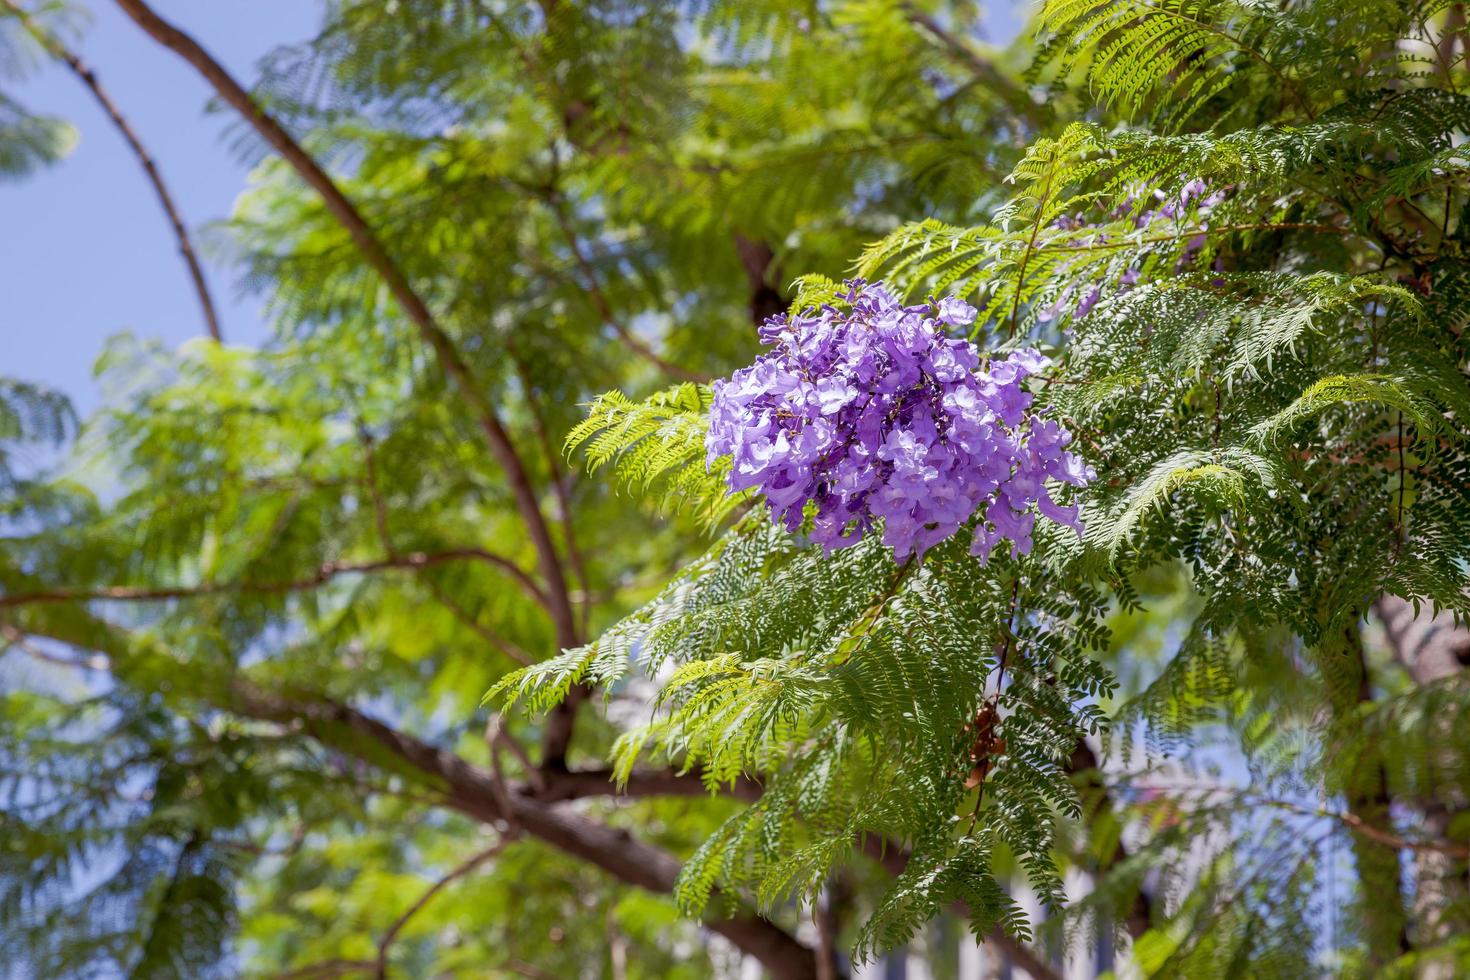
[(88, 77), (559, 488), (17, 640), (1428, 644), (472, 791), (1023, 108), (324, 574), (1370, 804), (583, 783), (756, 257), (385, 541), (458, 872), (599, 298), (504, 644), (558, 601)]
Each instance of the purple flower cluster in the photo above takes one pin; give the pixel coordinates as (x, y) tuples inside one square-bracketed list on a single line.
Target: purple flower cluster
[(1191, 201), (875, 413)]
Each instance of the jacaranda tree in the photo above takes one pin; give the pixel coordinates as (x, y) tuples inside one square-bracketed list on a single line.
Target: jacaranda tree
[(1058, 520)]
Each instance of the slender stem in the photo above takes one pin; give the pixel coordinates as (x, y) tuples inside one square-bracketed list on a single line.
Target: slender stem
[(994, 705), (559, 488), (557, 599), (385, 541), (386, 943), (88, 77), (17, 640), (326, 969), (1241, 45), (506, 646), (991, 79), (1191, 233), (1030, 248), (600, 301), (375, 494), (1403, 533), (323, 574)]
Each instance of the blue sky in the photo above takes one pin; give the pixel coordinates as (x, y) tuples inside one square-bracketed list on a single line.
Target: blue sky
[(85, 251)]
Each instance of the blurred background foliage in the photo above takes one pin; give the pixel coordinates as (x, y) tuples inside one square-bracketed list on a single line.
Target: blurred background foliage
[(249, 615), (570, 187)]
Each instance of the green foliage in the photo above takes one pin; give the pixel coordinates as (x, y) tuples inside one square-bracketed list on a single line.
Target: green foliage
[(658, 442), (1273, 397), (28, 141), (30, 417), (1287, 428), (802, 670), (318, 520)]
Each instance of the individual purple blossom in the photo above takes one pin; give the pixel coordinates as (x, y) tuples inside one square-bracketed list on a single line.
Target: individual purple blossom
[(956, 312), (875, 415)]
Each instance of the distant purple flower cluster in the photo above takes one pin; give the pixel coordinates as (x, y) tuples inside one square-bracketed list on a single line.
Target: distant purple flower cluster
[(874, 413), (1192, 199)]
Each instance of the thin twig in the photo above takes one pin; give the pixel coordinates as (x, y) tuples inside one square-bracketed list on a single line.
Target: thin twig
[(458, 872), (559, 488), (88, 77), (502, 643), (991, 79), (555, 597), (1000, 676), (600, 300), (385, 541), (500, 789), (327, 969), (1041, 203), (324, 574), (375, 493), (498, 737), (18, 640)]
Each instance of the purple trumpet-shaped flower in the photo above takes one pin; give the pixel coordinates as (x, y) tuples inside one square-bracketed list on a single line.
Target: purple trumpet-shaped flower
[(874, 414)]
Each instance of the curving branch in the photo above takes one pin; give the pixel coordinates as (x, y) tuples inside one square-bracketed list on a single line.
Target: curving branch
[(324, 574), (987, 74), (88, 77), (386, 943), (16, 639), (559, 488), (580, 784), (474, 791), (497, 437), (600, 301), (1427, 642), (494, 639), (1086, 769)]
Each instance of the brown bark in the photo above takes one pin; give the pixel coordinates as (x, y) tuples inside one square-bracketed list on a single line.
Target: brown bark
[(376, 255), (600, 301), (582, 783), (1381, 899), (475, 792), (324, 574), (1431, 647), (386, 943), (1023, 109), (756, 259), (1428, 644)]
